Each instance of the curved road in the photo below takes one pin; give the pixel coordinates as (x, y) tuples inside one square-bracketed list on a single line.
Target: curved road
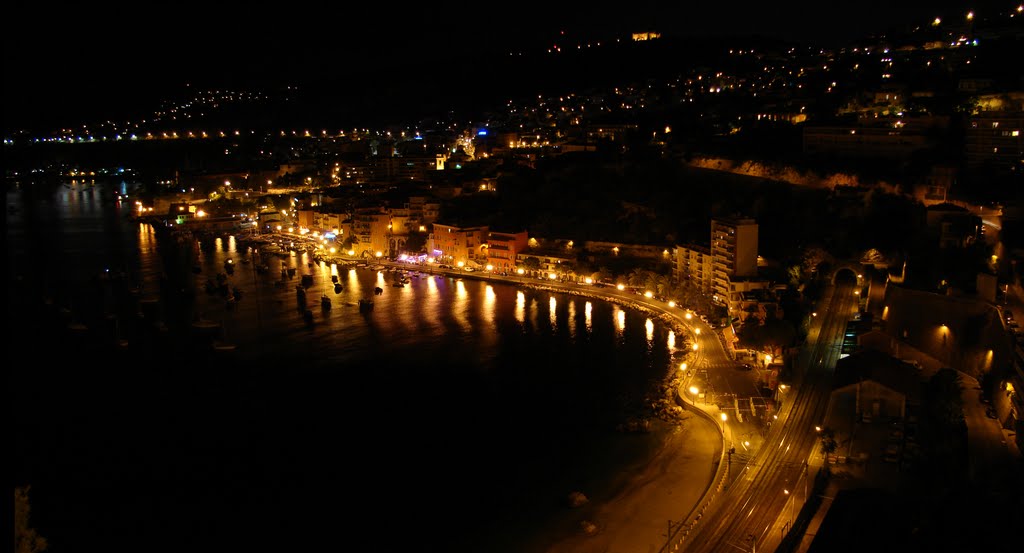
[(755, 498), (750, 508)]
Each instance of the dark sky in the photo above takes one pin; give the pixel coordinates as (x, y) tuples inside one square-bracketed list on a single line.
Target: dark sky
[(63, 59)]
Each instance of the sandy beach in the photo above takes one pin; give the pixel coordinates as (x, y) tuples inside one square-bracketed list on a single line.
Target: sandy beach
[(636, 520)]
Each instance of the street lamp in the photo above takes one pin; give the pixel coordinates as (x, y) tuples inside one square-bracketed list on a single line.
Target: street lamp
[(789, 519), (693, 392)]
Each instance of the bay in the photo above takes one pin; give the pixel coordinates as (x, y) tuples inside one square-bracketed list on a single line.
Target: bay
[(456, 415)]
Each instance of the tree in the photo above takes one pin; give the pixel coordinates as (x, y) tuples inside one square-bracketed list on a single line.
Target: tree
[(828, 442), (26, 539), (945, 404), (348, 242), (777, 334), (417, 243), (637, 278), (946, 426)]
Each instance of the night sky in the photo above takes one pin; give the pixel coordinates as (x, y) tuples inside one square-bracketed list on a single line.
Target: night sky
[(84, 57)]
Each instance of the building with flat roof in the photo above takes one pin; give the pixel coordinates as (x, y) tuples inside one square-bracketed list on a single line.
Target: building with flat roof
[(733, 252), (452, 244), (727, 270), (993, 140), (503, 249)]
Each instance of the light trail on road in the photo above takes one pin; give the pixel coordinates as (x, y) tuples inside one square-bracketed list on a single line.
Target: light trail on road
[(754, 502)]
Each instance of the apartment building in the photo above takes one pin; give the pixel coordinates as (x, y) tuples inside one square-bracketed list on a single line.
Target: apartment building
[(372, 230), (993, 140), (693, 264), (727, 270), (452, 244), (503, 249), (886, 143), (733, 252)]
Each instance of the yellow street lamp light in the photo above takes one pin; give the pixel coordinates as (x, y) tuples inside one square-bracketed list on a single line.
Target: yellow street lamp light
[(694, 391)]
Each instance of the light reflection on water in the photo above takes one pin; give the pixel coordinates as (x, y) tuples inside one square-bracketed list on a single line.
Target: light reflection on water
[(553, 312), (468, 361)]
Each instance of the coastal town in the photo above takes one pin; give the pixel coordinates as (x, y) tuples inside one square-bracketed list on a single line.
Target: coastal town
[(838, 270)]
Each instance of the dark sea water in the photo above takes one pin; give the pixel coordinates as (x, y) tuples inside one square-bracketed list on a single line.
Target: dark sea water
[(455, 416)]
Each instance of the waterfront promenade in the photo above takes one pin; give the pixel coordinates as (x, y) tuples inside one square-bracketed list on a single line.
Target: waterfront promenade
[(663, 500), (668, 497)]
